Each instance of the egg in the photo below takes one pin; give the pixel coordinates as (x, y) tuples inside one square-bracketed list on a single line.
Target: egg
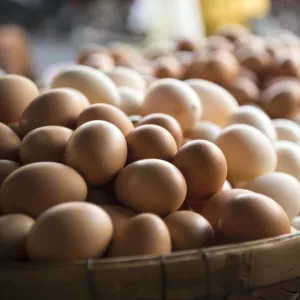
[(126, 77), (254, 117), (100, 195), (217, 42), (204, 130), (167, 67), (244, 90), (14, 229), (151, 185), (203, 166), (144, 234), (296, 223), (68, 232), (281, 99), (59, 107), (90, 49), (165, 121), (16, 94), (95, 85), (217, 103), (97, 150), (282, 188), (187, 44), (131, 101), (99, 61), (36, 187), (189, 230), (176, 98), (10, 143), (288, 158), (7, 167), (106, 112), (251, 217), (47, 143), (249, 153), (15, 128), (287, 64), (226, 186), (233, 31), (150, 141), (287, 130)]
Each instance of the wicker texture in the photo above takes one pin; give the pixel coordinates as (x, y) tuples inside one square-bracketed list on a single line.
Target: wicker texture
[(263, 270)]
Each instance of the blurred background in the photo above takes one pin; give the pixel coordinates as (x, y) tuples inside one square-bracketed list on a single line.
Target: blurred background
[(52, 31)]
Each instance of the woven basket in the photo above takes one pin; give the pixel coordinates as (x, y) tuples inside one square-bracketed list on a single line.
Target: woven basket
[(264, 270)]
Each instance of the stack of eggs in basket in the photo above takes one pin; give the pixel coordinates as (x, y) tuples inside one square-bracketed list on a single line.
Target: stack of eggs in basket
[(188, 145)]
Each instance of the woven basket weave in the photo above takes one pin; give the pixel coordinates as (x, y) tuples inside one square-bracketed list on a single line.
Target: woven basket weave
[(264, 270)]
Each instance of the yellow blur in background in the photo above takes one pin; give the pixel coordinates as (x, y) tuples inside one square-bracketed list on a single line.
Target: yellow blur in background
[(217, 13)]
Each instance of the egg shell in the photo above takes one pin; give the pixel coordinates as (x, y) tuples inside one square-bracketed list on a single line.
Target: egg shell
[(150, 141), (126, 77), (7, 167), (203, 166), (144, 234), (213, 206), (249, 153), (85, 231), (165, 121), (176, 98), (189, 230), (288, 158), (36, 187), (187, 44), (15, 128), (90, 49), (97, 150), (252, 217), (95, 85), (16, 94), (287, 130), (282, 188), (99, 61), (130, 101), (167, 67), (60, 107), (14, 229), (47, 143), (10, 143), (204, 130), (106, 112), (217, 103), (287, 64), (233, 31), (254, 117), (151, 185)]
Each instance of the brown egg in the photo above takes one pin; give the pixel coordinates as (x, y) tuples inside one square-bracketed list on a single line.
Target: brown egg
[(204, 167), (99, 61), (47, 143), (251, 217), (296, 223), (14, 229), (95, 85), (189, 230), (90, 49), (281, 99), (187, 44), (287, 130), (15, 128), (59, 107), (204, 130), (282, 188), (151, 185), (34, 188), (101, 195), (246, 73), (69, 232), (16, 94), (213, 206), (175, 98), (233, 31), (217, 103), (287, 64), (97, 150), (10, 143), (127, 77), (143, 235), (254, 117), (217, 42), (131, 101), (165, 121), (7, 167), (249, 153), (167, 67), (288, 158), (244, 90), (150, 141)]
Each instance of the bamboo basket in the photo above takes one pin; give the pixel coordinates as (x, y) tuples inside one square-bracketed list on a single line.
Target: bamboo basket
[(263, 270)]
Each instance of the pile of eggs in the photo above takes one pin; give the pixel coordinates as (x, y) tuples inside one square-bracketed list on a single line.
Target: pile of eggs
[(124, 154)]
